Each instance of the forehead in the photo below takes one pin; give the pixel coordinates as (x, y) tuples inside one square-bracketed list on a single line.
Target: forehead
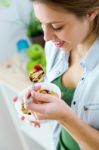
[(47, 13)]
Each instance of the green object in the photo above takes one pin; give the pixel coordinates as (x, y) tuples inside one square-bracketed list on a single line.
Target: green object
[(42, 62), (5, 3), (35, 54), (35, 51), (30, 64), (66, 141), (34, 27)]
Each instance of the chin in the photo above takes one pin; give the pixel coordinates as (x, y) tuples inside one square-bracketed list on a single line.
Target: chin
[(66, 49)]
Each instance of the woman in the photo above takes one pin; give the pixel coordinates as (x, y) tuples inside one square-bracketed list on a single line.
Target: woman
[(71, 30)]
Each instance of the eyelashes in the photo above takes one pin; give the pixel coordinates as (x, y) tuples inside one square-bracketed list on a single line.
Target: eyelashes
[(51, 26), (58, 29)]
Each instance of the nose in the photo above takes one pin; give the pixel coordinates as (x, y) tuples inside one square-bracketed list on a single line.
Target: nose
[(48, 34)]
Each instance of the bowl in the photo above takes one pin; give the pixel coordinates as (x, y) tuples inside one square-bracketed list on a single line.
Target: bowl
[(21, 102)]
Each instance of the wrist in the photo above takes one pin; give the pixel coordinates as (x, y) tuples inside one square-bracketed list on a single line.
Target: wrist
[(68, 116)]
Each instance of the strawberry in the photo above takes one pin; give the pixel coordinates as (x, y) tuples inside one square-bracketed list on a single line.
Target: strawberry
[(46, 91), (37, 67)]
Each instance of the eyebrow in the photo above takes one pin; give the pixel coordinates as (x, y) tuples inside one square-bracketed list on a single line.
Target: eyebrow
[(54, 22)]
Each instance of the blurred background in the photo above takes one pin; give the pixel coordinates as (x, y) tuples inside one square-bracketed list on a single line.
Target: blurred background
[(21, 48), (17, 23)]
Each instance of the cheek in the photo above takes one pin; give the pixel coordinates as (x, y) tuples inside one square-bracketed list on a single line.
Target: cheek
[(69, 34), (80, 31), (75, 34)]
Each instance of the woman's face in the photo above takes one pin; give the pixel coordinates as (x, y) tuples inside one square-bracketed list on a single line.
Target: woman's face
[(64, 29)]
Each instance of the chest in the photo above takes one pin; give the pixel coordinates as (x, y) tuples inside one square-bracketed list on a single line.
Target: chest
[(72, 76)]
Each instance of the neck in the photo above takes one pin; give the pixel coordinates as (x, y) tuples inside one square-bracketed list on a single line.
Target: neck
[(83, 47), (80, 51)]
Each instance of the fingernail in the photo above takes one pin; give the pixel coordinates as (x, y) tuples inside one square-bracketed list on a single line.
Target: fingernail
[(37, 87), (37, 125), (15, 98), (22, 117)]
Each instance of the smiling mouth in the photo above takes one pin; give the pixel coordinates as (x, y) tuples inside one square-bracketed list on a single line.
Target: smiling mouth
[(59, 44)]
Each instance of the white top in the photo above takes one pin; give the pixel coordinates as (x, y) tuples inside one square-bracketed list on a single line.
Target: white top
[(85, 102)]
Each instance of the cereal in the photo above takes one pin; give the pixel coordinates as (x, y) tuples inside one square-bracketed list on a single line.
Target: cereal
[(37, 75), (24, 109)]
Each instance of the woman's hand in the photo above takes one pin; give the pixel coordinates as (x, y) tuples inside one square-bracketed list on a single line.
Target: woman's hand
[(34, 124), (49, 107), (46, 106)]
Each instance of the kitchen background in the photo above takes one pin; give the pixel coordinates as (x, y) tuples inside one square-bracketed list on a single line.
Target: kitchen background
[(15, 18)]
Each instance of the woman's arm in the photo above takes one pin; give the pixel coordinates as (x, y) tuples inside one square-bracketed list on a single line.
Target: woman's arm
[(85, 135), (51, 107)]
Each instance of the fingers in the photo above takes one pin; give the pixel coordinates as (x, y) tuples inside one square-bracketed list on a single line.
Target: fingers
[(28, 94), (14, 98), (35, 124), (21, 117), (43, 117), (45, 98), (40, 108), (37, 87), (41, 102)]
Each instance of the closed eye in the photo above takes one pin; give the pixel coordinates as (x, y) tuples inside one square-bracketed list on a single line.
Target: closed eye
[(57, 29)]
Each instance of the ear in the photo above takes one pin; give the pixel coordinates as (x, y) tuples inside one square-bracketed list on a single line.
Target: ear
[(92, 15)]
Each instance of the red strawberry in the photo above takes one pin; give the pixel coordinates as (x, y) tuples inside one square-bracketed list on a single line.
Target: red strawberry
[(37, 67), (47, 91)]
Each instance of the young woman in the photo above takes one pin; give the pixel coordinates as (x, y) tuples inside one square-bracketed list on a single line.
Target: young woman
[(71, 30)]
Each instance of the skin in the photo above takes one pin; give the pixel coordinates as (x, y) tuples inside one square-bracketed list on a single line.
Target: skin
[(59, 25), (54, 108), (62, 27)]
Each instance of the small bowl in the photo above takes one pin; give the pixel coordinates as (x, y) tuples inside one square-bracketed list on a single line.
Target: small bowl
[(44, 85)]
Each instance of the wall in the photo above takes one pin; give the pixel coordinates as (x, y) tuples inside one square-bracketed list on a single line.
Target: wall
[(13, 23)]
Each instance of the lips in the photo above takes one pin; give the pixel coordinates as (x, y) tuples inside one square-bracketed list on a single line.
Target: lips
[(59, 44)]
